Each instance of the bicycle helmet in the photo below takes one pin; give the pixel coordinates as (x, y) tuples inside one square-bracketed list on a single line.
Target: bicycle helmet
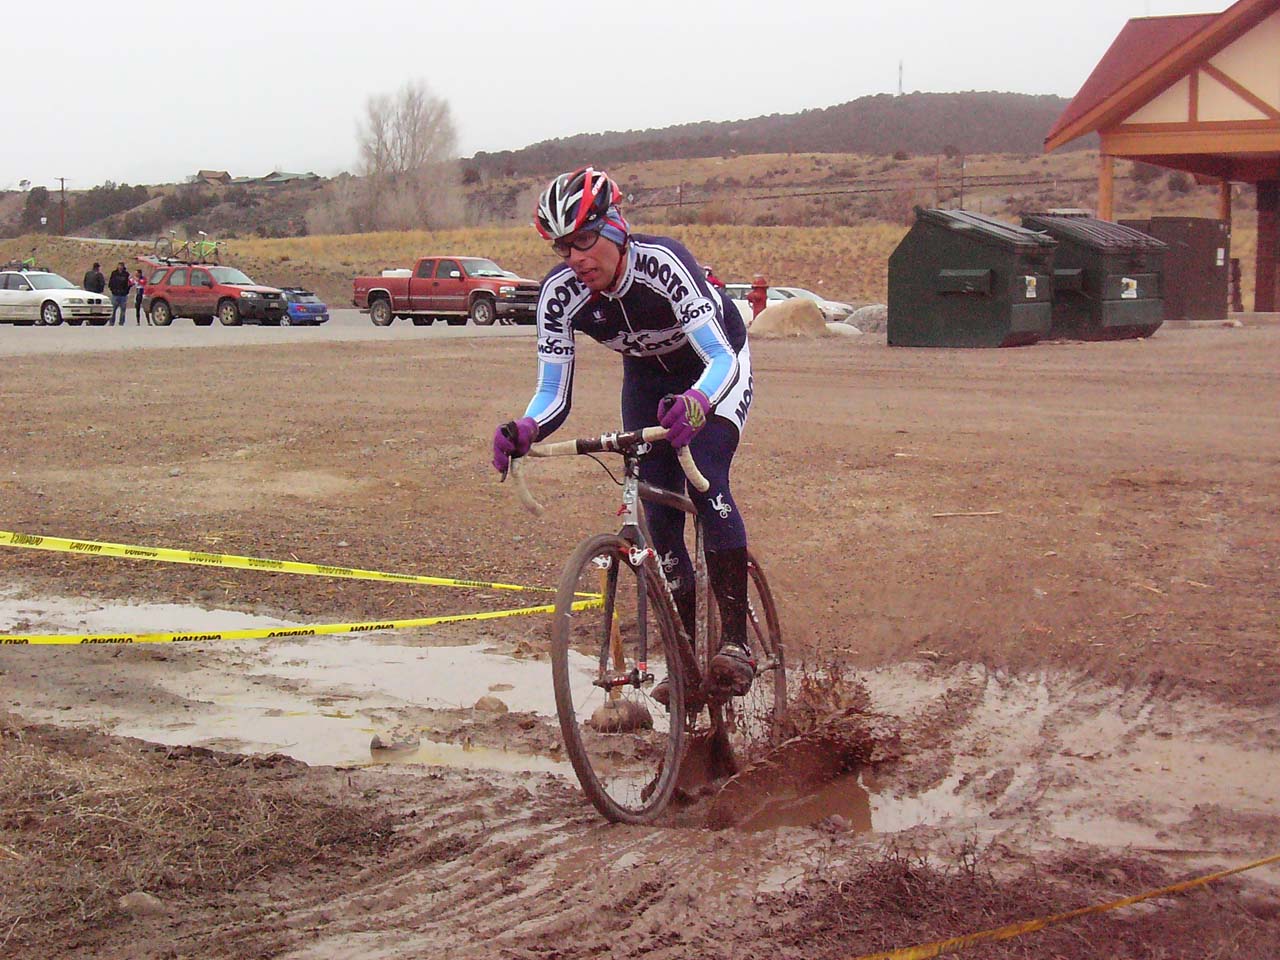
[(585, 199)]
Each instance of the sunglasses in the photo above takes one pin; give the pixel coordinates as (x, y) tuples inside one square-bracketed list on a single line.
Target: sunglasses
[(580, 241)]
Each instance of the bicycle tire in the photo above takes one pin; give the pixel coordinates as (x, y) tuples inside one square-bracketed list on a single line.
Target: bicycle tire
[(629, 773), (752, 723), (164, 247)]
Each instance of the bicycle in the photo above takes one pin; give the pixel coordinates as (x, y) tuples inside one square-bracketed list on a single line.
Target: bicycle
[(615, 623), (22, 263), (189, 251)]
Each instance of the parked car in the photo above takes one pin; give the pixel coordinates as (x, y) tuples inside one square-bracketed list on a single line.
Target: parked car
[(455, 288), (832, 310), (41, 297), (737, 292), (304, 308), (204, 291)]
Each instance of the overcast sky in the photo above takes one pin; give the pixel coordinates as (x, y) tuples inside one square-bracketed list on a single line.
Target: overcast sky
[(149, 92)]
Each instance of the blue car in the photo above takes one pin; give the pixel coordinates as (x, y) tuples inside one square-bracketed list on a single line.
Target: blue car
[(305, 308)]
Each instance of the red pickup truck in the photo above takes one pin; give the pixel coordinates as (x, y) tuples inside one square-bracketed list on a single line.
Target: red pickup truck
[(454, 288)]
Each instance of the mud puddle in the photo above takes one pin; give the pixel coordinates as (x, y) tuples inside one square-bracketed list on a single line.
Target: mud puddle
[(986, 753)]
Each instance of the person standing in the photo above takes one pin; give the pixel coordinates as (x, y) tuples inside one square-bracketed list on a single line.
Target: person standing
[(94, 281), (139, 282), (119, 284)]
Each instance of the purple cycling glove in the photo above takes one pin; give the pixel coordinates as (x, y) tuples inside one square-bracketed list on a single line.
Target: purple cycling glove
[(683, 415), (522, 434)]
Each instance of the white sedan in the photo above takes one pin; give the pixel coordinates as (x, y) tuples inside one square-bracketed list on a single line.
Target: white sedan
[(832, 310), (34, 296)]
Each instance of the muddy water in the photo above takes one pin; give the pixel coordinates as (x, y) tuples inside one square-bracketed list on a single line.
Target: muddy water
[(1096, 764)]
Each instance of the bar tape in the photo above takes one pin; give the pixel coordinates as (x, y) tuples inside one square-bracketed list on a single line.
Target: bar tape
[(267, 633), (939, 947), (165, 555)]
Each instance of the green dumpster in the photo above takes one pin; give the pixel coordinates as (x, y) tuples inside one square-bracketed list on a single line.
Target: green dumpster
[(1107, 278), (961, 279)]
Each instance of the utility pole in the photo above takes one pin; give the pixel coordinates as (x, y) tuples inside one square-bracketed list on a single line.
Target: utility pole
[(899, 78), (62, 215), (962, 181)]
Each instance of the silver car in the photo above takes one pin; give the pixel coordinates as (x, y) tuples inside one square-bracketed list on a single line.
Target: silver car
[(832, 310)]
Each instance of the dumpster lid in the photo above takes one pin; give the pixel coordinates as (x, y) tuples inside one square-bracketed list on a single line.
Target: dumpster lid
[(1092, 232), (986, 228)]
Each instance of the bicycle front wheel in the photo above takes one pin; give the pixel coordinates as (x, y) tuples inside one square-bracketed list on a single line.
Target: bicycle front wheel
[(164, 247), (754, 722), (613, 635)]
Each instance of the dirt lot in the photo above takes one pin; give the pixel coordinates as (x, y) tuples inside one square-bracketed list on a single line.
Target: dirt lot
[(1066, 699)]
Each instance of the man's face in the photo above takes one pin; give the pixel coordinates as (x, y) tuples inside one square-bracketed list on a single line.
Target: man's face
[(596, 265)]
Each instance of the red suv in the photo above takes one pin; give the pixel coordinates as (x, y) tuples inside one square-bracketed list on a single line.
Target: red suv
[(203, 291)]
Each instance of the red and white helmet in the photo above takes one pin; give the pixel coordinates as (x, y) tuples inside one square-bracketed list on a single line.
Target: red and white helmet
[(574, 201)]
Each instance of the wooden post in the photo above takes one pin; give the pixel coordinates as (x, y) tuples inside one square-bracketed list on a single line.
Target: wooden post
[(1224, 204), (1264, 281), (1106, 187)]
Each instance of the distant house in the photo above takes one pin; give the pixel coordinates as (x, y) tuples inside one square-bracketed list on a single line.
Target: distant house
[(279, 176), (215, 178)]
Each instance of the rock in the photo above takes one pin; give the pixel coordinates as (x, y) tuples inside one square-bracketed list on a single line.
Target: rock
[(843, 329), (789, 318), (872, 318), (487, 704), (407, 743), (141, 904), (175, 472), (619, 716)]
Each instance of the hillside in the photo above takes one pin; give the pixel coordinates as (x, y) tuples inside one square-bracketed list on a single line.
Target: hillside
[(971, 122)]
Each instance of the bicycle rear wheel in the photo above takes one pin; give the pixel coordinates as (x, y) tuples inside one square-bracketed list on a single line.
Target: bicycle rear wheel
[(624, 746), (754, 722)]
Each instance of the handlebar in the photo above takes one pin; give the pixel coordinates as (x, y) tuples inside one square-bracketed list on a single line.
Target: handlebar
[(605, 443)]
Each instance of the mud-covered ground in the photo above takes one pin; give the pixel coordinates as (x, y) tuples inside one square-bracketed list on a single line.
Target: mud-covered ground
[(1045, 578)]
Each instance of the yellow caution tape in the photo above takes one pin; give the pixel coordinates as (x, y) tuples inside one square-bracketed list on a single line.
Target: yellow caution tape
[(266, 633), (939, 947), (165, 555)]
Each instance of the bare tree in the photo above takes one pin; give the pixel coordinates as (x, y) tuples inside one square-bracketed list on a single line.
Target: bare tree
[(408, 158), (404, 133)]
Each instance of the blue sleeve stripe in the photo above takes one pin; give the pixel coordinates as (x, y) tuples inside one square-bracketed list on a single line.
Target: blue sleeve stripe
[(551, 400), (721, 371)]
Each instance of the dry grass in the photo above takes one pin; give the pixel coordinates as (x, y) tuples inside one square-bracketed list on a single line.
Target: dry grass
[(84, 820), (901, 899)]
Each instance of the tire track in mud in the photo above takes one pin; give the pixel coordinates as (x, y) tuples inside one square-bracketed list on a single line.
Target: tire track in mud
[(488, 870)]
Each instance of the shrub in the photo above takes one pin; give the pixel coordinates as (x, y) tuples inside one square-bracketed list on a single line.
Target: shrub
[(1146, 173)]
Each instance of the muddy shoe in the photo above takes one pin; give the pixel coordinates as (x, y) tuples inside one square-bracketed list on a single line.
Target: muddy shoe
[(733, 669), (662, 692)]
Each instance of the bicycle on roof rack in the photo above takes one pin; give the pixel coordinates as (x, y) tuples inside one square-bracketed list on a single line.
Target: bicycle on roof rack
[(202, 250), (22, 263), (616, 623)]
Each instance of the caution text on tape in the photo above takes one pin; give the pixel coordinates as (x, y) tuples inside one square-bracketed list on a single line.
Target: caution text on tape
[(199, 558), (267, 633)]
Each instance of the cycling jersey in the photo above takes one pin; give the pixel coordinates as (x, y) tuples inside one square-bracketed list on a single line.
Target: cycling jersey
[(662, 316)]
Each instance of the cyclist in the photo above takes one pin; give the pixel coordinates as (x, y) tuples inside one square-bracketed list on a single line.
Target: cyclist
[(685, 361)]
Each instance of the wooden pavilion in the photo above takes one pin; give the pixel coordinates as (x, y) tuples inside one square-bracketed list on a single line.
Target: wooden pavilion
[(1199, 93)]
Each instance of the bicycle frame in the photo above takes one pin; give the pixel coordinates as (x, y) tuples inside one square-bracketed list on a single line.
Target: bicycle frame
[(634, 529), (633, 446)]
